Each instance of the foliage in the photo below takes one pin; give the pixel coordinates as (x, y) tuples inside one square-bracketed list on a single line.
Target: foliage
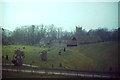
[(35, 34)]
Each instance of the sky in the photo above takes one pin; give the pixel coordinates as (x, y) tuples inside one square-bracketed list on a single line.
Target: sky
[(68, 15)]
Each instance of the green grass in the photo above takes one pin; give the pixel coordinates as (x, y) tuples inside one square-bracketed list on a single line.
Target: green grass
[(89, 57)]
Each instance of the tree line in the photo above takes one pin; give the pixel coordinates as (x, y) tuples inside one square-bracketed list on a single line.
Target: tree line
[(34, 34)]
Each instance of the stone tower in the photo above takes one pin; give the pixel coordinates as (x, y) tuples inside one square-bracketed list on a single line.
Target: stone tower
[(78, 32)]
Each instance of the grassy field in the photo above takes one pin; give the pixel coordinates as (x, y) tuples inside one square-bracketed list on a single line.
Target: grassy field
[(89, 57)]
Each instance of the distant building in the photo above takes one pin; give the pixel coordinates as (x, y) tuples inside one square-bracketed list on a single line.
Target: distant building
[(82, 38), (72, 42)]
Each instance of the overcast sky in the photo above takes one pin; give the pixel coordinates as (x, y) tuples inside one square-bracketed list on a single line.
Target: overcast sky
[(89, 15)]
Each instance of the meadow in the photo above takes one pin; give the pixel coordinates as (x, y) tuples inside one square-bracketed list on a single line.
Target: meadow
[(102, 57)]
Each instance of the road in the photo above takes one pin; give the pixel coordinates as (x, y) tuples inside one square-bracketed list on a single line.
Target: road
[(62, 72)]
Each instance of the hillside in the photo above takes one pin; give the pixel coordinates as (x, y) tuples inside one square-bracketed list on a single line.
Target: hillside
[(90, 57)]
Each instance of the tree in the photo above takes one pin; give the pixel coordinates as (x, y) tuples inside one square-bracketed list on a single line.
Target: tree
[(59, 33), (116, 35), (35, 34), (6, 37)]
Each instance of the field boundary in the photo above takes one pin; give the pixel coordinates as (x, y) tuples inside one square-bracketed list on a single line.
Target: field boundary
[(63, 73)]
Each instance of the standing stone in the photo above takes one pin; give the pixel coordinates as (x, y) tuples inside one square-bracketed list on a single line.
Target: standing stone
[(7, 57)]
